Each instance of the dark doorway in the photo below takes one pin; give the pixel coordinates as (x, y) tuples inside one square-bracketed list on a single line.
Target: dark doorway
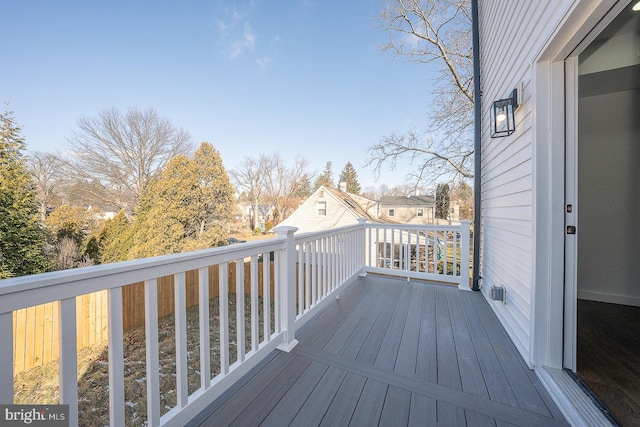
[(608, 330)]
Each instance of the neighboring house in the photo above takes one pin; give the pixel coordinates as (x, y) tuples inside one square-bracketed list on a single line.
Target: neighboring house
[(409, 209), (560, 196), (329, 208), (454, 211)]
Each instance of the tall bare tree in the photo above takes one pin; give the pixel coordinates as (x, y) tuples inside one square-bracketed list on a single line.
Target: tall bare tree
[(282, 184), (249, 179), (48, 178), (438, 32), (114, 155)]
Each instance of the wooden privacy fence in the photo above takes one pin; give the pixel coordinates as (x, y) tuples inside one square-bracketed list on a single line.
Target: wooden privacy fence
[(35, 330)]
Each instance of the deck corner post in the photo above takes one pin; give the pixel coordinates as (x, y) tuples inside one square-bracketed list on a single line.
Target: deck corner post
[(362, 248), (465, 255), (287, 284)]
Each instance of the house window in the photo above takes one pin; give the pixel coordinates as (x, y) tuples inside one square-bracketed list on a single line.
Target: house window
[(420, 212), (392, 212), (322, 208)]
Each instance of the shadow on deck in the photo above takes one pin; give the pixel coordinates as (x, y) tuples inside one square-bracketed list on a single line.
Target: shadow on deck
[(393, 353)]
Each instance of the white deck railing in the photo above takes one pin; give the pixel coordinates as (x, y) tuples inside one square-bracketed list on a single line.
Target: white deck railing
[(431, 252), (308, 269)]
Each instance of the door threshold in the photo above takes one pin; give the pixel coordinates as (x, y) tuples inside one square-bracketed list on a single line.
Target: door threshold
[(593, 397), (577, 404)]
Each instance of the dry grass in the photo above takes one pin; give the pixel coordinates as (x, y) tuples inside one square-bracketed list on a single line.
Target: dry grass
[(40, 385)]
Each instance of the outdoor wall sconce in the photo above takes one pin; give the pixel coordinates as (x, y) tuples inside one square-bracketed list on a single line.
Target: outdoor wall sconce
[(502, 116)]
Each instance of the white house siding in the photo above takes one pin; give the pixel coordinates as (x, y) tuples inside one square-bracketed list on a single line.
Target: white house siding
[(306, 217), (512, 35)]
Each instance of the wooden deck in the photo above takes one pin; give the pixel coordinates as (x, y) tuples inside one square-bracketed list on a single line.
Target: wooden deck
[(393, 353)]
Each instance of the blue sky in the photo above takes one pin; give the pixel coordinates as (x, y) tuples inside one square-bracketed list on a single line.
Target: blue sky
[(295, 77)]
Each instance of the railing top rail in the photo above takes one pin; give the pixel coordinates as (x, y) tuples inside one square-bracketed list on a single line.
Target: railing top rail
[(26, 291), (437, 227), (313, 235)]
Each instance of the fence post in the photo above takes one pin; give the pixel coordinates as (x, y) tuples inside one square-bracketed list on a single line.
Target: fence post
[(287, 284), (464, 256)]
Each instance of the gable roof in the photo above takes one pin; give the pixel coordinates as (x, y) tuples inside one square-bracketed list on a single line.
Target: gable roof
[(353, 203), (409, 201)]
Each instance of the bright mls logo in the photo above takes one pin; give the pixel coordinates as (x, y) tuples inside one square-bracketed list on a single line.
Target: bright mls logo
[(34, 415)]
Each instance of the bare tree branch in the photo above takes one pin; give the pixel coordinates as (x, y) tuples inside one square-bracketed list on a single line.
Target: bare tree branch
[(268, 180), (249, 179), (422, 153), (439, 32), (118, 154), (282, 184), (48, 178)]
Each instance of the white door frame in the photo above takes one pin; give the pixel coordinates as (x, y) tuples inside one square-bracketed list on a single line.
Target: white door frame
[(571, 214), (553, 325)]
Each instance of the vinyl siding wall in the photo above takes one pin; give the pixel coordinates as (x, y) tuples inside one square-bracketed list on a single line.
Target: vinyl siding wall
[(306, 217), (512, 35)]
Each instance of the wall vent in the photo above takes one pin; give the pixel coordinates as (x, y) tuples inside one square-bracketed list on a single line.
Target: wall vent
[(498, 293)]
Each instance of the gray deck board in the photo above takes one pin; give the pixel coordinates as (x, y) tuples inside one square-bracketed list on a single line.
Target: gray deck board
[(398, 353), (254, 412), (527, 394), (494, 375), (317, 405), (341, 409), (448, 370), (388, 353), (397, 406), (468, 363), (369, 351), (423, 411), (370, 404), (408, 350), (355, 328), (230, 408), (427, 363), (289, 405), (479, 420), (318, 333), (450, 415)]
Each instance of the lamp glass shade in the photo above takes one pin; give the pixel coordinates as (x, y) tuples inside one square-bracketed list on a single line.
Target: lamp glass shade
[(502, 117)]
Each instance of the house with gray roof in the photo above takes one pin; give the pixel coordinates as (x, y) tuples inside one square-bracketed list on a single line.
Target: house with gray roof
[(409, 209)]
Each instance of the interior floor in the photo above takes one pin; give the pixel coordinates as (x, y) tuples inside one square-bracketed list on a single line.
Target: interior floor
[(608, 358)]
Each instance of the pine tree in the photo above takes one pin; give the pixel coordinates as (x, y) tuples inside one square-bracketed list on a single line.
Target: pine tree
[(350, 176), (325, 178), (23, 241), (303, 187), (188, 207), (115, 239)]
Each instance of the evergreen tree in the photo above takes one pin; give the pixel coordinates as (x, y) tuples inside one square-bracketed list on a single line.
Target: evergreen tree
[(303, 187), (188, 207), (350, 176), (115, 239), (325, 178), (23, 241), (442, 201)]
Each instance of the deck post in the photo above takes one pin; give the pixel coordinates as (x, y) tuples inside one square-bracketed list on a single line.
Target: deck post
[(362, 247), (464, 256), (287, 284), (6, 355)]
